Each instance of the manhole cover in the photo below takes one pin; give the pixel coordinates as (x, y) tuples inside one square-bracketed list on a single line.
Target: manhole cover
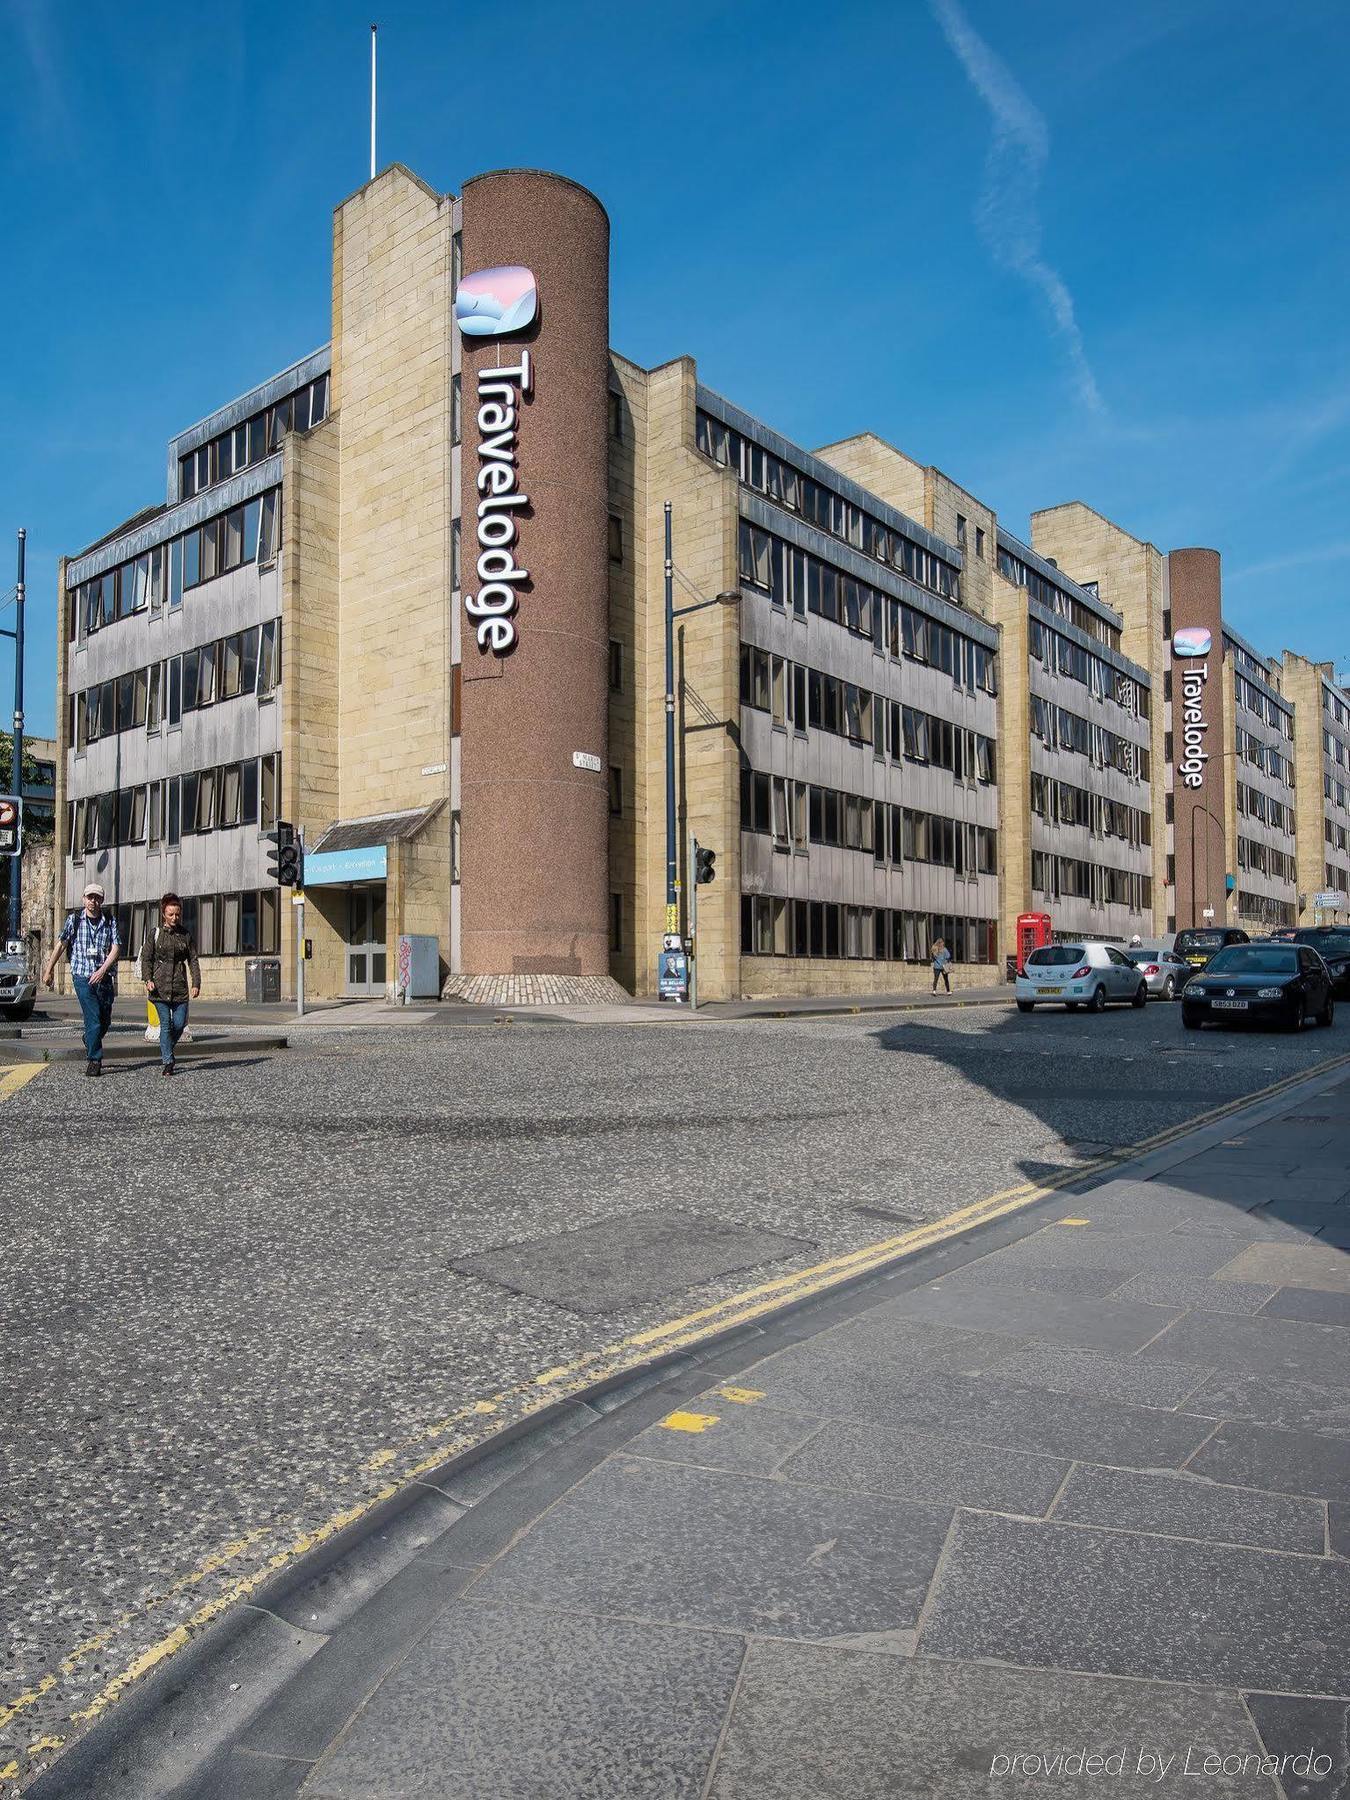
[(639, 1256)]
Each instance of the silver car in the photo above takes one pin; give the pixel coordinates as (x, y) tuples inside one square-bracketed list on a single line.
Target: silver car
[(1085, 974), (1165, 972)]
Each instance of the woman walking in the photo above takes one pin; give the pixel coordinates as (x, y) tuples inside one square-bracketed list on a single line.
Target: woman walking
[(172, 975), (942, 962)]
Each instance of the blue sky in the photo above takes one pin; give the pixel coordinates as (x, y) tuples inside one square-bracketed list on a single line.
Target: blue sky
[(1060, 251)]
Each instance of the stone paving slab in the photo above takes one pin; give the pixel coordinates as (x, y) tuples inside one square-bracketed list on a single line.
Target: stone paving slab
[(1091, 1324), (1285, 1462), (815, 1724), (1313, 1308), (1187, 1507), (1317, 1353), (1115, 1603), (1234, 1294), (1273, 1400), (926, 1466), (726, 1434), (1127, 1379), (544, 1704), (1289, 1726), (1312, 1265)]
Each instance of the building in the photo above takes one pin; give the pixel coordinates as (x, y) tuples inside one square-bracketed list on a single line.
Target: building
[(409, 596), (1322, 787), (1228, 729)]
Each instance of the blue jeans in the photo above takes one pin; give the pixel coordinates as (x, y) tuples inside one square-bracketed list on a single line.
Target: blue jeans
[(172, 1019), (96, 1004)]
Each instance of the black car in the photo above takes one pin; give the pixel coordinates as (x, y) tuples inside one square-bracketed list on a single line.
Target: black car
[(1197, 946), (1259, 984), (1332, 944)]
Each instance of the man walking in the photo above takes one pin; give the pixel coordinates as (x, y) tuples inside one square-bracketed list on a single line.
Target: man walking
[(91, 944)]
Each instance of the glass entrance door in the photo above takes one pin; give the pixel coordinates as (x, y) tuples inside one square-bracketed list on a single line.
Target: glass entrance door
[(366, 954)]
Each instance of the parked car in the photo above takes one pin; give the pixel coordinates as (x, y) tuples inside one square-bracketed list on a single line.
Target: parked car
[(18, 988), (1197, 946), (1165, 972), (1260, 984), (1074, 975), (1332, 944)]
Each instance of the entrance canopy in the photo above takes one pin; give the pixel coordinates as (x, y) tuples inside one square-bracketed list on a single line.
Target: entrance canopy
[(358, 849)]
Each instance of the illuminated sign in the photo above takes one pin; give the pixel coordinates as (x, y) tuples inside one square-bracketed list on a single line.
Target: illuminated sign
[(494, 302), (500, 392), (1192, 640)]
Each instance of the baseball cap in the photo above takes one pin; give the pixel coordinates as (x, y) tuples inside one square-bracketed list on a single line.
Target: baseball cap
[(93, 888)]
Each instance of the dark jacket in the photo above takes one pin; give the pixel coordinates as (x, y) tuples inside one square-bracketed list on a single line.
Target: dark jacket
[(167, 959)]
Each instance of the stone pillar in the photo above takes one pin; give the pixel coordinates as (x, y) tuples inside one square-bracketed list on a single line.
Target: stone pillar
[(1201, 726), (533, 787)]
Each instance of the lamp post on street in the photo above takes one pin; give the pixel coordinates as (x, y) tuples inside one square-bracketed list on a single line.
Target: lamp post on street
[(729, 597)]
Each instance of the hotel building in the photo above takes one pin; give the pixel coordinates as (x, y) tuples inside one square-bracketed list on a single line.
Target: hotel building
[(1322, 787), (409, 595)]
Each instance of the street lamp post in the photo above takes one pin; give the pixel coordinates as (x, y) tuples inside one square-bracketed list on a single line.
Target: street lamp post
[(729, 597)]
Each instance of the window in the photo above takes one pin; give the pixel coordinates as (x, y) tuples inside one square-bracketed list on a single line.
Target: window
[(267, 815), (615, 915), (454, 848), (456, 558), (269, 656), (231, 667), (230, 791), (615, 791), (269, 529), (615, 538), (961, 530), (979, 541), (456, 409), (248, 792), (615, 666)]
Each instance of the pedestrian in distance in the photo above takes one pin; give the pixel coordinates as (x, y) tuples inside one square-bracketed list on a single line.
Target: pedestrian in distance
[(172, 975), (942, 962), (90, 941)]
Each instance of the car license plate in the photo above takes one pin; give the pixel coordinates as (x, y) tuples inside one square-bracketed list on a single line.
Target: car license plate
[(1050, 990), (1229, 1005), (1197, 962)]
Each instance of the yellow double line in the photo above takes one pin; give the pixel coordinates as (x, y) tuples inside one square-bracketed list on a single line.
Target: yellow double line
[(456, 1432), (18, 1075)]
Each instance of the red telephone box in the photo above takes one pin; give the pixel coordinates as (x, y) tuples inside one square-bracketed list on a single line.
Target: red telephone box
[(1033, 930)]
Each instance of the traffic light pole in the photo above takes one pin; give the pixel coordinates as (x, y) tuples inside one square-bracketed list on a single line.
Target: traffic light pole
[(693, 924), (298, 908)]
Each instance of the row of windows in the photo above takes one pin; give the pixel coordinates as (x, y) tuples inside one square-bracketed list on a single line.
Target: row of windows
[(820, 506), (1059, 729), (246, 662), (1263, 705), (808, 698), (798, 813), (1059, 653), (179, 806), (1072, 878), (1335, 708), (1264, 909), (1253, 803), (247, 533), (1335, 790), (238, 924), (1336, 750), (771, 926), (1021, 574), (1265, 860), (1338, 879), (1336, 835), (1260, 755), (253, 440), (795, 579), (1059, 803)]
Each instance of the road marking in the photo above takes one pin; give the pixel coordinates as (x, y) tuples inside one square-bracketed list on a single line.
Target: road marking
[(1073, 1221), (742, 1396), (689, 1421), (615, 1359), (17, 1075)]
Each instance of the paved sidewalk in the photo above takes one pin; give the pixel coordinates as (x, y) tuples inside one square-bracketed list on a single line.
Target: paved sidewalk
[(1061, 1509)]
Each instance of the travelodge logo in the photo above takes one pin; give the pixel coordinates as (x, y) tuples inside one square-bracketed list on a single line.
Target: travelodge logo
[(1192, 640), (495, 302)]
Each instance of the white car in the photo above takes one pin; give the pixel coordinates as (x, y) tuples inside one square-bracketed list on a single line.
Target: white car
[(1074, 975)]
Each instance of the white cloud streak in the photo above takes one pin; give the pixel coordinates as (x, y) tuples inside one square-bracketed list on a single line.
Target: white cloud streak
[(1297, 559), (1007, 214)]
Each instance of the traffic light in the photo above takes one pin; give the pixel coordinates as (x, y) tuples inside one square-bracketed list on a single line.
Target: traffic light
[(11, 825), (285, 856), (704, 865)]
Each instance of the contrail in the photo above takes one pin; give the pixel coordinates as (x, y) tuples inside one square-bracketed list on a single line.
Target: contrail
[(1007, 216)]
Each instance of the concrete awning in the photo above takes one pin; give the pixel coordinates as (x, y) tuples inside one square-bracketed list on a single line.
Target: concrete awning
[(358, 849)]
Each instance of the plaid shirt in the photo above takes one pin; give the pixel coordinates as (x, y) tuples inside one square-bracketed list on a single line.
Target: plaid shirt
[(89, 942)]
